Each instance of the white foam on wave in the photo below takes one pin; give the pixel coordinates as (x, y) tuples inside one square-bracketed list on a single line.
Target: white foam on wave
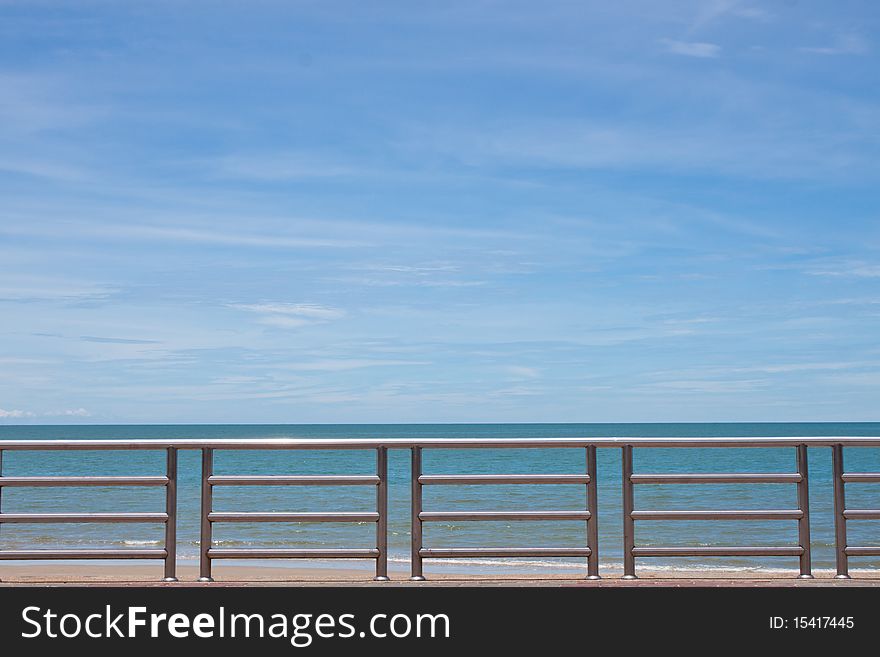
[(519, 565)]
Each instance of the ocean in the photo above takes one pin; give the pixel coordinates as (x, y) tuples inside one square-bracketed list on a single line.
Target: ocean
[(449, 498)]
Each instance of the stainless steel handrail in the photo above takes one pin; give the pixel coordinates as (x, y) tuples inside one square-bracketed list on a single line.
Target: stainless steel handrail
[(801, 514), (436, 443), (589, 515), (209, 517), (841, 513), (168, 553)]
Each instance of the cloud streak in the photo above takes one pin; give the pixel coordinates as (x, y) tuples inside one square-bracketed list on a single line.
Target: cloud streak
[(697, 49), (103, 340), (291, 315), (844, 44), (15, 414)]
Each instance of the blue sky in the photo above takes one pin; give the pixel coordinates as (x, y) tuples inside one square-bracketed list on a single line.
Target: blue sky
[(458, 211)]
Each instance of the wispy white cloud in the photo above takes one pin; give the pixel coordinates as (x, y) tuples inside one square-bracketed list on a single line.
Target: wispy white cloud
[(344, 364), (691, 48), (844, 44), (725, 374), (271, 232), (105, 340), (197, 233), (276, 167), (284, 321), (785, 368), (35, 103), (712, 11), (753, 13), (411, 269), (433, 275), (369, 281), (15, 414), (723, 146), (523, 372), (228, 238), (306, 310), (290, 315), (868, 379), (516, 391), (854, 269), (26, 287), (16, 360), (70, 412), (37, 168), (707, 386)]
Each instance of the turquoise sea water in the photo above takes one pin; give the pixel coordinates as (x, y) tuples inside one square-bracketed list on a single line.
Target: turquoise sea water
[(448, 498)]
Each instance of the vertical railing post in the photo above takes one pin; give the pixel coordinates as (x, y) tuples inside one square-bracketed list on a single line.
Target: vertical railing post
[(629, 529), (803, 498), (839, 507), (207, 504), (382, 510), (593, 522), (171, 512), (415, 520), (1, 489)]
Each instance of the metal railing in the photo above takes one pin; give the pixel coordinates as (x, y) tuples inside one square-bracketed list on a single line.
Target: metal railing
[(209, 516), (841, 514), (801, 514), (168, 552), (588, 515)]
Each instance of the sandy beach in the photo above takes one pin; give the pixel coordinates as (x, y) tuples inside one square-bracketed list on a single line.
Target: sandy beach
[(237, 575)]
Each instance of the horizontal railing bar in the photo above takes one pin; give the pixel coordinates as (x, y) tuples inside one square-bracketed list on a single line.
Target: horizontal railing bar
[(293, 480), (35, 555), (862, 514), (774, 514), (728, 478), (504, 479), (82, 517), (863, 551), (439, 443), (275, 516), (260, 553), (454, 553), (862, 477), (427, 516), (718, 551), (38, 482)]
